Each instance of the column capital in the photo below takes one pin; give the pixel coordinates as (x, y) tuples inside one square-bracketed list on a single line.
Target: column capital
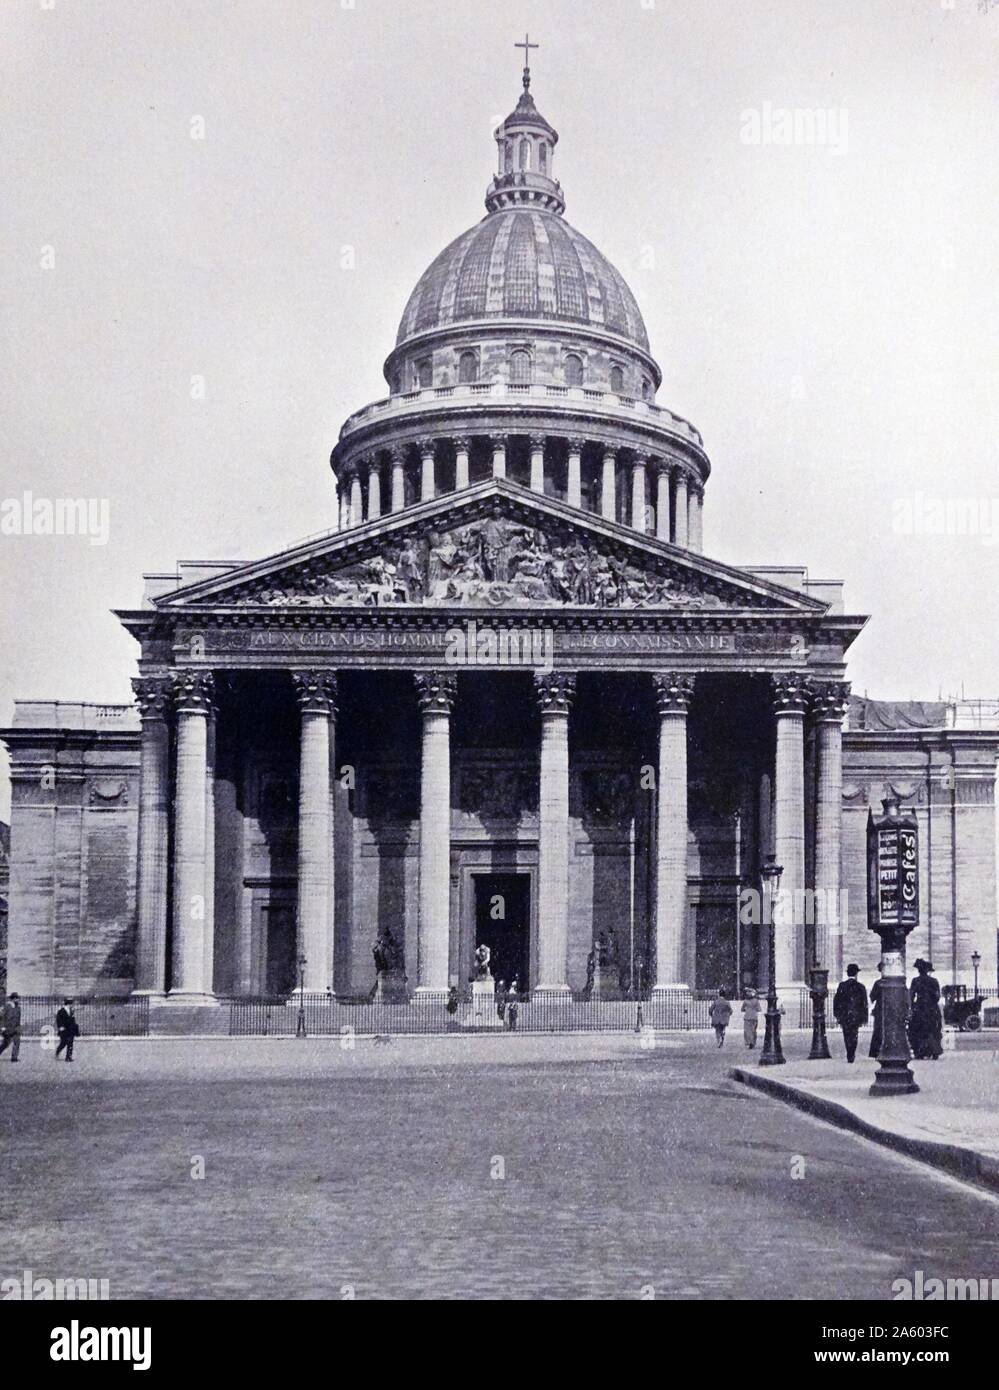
[(555, 691), (315, 691), (427, 447), (349, 469), (193, 691), (462, 443), (639, 458), (829, 701), (372, 462), (435, 691), (397, 453), (673, 692), (663, 466), (498, 441), (152, 696), (790, 692), (537, 441), (609, 450), (576, 443)]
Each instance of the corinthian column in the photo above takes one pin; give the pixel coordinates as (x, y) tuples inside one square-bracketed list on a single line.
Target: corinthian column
[(608, 486), (673, 695), (398, 457), (356, 498), (499, 456), (435, 693), (829, 705), (638, 492), (316, 694), (662, 500), (694, 508), (790, 696), (460, 462), (374, 488), (554, 694), (190, 957), (574, 476), (680, 509), (151, 696), (537, 462), (428, 470)]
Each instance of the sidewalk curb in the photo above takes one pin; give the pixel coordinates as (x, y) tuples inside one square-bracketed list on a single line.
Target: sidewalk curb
[(955, 1159)]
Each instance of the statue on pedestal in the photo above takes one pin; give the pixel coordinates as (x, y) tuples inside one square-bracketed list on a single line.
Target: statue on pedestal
[(602, 968), (390, 971), (483, 955)]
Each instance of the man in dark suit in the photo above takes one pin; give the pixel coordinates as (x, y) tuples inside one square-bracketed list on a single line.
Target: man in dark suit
[(67, 1028), (850, 1009), (10, 1026)]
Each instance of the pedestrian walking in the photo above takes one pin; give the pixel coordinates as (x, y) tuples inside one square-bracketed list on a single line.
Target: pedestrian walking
[(720, 1013), (876, 1021), (501, 998), (513, 1005), (850, 1009), (750, 1017), (67, 1028), (925, 1018), (10, 1026)]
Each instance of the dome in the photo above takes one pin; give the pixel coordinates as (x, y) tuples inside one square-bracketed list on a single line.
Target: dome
[(522, 262)]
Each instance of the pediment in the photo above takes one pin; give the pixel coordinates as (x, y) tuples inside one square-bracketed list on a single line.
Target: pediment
[(494, 545)]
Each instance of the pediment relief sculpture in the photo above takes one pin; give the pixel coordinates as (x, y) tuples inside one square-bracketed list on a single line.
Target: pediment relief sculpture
[(491, 562)]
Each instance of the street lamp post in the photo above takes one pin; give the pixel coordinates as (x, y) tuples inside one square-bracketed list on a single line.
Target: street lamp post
[(300, 1025), (976, 961), (772, 1056)]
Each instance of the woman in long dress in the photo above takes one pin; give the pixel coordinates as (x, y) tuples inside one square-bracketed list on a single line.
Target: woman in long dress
[(925, 1019)]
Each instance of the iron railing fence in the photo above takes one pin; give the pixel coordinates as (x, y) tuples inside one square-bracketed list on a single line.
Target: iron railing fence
[(672, 1010), (97, 1016)]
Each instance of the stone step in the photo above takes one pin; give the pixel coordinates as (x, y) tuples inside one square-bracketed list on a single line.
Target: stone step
[(177, 1020)]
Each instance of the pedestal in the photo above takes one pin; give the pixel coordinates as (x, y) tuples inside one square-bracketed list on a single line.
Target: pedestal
[(606, 982), (390, 988), (481, 1014)]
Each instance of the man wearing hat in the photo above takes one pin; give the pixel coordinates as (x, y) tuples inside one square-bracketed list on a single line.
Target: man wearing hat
[(10, 1026), (67, 1028), (850, 1009)]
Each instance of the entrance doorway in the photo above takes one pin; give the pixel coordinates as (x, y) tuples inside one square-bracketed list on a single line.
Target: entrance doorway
[(279, 921), (503, 923), (715, 928)]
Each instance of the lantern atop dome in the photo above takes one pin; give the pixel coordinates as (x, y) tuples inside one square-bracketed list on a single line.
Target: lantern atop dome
[(526, 144)]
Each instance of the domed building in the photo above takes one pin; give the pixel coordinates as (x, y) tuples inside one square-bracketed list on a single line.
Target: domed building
[(504, 723), (523, 354)]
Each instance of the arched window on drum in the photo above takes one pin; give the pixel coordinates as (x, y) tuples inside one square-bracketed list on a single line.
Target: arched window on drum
[(617, 380), (543, 158), (525, 154), (520, 367), (468, 367), (573, 368)]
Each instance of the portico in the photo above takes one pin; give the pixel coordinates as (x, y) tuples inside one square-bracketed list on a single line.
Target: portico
[(344, 768)]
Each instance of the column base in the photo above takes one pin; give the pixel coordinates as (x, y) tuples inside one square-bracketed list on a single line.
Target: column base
[(670, 989), (429, 994), (552, 994), (189, 999), (155, 996)]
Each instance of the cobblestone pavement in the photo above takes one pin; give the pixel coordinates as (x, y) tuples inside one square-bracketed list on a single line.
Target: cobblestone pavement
[(456, 1168)]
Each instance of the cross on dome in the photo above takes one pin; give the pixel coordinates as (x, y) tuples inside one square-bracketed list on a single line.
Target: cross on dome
[(526, 46)]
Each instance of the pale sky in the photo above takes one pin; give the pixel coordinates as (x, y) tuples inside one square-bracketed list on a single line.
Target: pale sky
[(826, 315)]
